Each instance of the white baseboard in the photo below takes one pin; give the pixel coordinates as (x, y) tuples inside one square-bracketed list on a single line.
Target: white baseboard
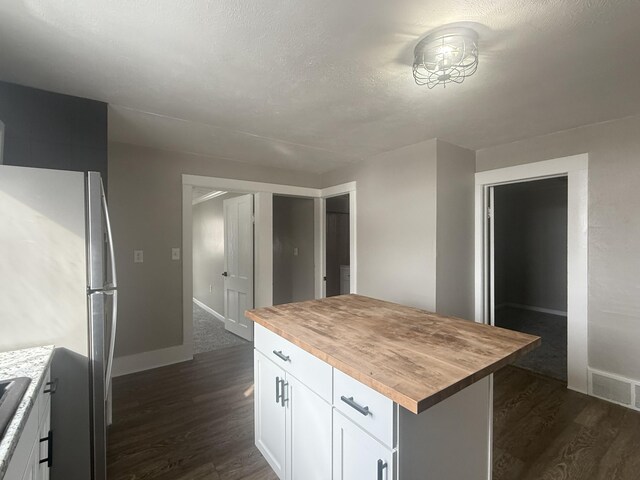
[(614, 388), (208, 309), (532, 308), (148, 360)]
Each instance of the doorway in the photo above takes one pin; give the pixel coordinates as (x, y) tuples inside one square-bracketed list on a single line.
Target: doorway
[(529, 262), (575, 169), (337, 244), (215, 302)]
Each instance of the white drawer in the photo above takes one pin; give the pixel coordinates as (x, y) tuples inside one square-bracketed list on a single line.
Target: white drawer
[(310, 370), (374, 412)]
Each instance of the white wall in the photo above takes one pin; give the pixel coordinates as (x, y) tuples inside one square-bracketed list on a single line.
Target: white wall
[(145, 200), (208, 252), (415, 226), (614, 230), (293, 228), (396, 224)]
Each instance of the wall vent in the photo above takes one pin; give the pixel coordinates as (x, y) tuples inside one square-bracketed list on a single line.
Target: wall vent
[(611, 388)]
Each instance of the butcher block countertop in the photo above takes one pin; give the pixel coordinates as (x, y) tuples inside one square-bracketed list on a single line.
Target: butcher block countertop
[(414, 357)]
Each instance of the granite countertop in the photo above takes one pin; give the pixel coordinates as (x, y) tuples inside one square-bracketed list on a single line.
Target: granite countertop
[(32, 363), (414, 357)]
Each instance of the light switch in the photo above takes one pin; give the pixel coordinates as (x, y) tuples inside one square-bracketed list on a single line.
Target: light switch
[(138, 256), (175, 254), (295, 251)]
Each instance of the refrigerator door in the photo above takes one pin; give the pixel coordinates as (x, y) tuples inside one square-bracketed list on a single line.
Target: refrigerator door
[(98, 315)]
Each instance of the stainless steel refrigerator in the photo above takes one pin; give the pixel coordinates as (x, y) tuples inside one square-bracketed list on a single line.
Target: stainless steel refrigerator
[(58, 286)]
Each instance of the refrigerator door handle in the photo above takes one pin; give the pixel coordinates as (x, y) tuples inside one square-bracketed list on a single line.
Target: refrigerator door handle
[(114, 283), (112, 340)]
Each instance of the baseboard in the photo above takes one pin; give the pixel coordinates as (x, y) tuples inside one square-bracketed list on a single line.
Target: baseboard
[(614, 388), (148, 360), (532, 308), (208, 309)]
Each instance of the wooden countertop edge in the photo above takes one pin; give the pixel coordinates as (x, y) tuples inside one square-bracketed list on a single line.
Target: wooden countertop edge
[(411, 404)]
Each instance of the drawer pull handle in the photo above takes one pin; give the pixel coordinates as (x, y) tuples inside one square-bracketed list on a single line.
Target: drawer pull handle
[(349, 401), (53, 386), (49, 440), (381, 468), (282, 356)]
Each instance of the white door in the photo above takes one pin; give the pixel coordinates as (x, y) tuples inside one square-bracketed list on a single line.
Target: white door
[(238, 263), (308, 434), (357, 455), (270, 411)]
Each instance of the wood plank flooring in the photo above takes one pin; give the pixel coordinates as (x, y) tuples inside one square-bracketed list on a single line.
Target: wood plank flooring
[(194, 421)]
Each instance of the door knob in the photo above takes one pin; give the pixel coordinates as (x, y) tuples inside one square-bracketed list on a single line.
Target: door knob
[(225, 274)]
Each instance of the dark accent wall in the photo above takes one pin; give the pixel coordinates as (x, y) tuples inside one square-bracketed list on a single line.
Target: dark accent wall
[(50, 130)]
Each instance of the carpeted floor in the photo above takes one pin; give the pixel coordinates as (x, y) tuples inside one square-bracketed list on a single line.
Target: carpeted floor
[(209, 333), (550, 358)]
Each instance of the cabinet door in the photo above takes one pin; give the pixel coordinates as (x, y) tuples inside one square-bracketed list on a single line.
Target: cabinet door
[(357, 455), (45, 426), (308, 433), (270, 415), (31, 471)]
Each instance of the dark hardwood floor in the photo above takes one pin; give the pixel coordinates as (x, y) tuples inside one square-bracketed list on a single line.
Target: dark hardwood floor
[(194, 421)]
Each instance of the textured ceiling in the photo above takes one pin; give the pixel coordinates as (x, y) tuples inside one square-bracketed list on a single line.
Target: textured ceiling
[(313, 84)]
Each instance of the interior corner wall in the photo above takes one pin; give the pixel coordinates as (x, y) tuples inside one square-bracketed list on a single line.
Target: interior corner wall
[(145, 201), (455, 231), (208, 252), (396, 223), (293, 228), (614, 230)]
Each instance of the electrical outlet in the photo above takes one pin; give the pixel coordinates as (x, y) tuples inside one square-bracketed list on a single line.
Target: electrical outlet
[(138, 256), (175, 254), (295, 251)]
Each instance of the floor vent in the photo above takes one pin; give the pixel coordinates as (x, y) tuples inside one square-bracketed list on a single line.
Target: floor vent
[(615, 389)]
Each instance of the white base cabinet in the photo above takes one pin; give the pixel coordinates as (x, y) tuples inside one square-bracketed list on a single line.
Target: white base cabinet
[(313, 422), (292, 424), (30, 457)]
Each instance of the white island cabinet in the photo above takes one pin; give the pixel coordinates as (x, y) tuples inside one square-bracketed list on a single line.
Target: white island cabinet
[(354, 388)]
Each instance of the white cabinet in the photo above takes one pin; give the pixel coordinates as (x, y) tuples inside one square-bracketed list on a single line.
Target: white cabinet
[(357, 455), (314, 422), (33, 444), (308, 433), (270, 414), (292, 423)]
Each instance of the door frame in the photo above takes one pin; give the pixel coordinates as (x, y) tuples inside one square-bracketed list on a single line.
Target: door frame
[(321, 236), (263, 238), (575, 168)]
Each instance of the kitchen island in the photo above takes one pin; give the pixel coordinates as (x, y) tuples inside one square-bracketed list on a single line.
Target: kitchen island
[(352, 388)]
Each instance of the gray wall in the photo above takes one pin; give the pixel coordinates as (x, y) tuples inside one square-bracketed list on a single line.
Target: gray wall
[(455, 288), (293, 227), (145, 187), (50, 130), (208, 252), (614, 230), (531, 244), (396, 223), (415, 218)]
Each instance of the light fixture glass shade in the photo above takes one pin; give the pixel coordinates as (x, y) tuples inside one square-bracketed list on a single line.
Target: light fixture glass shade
[(445, 56)]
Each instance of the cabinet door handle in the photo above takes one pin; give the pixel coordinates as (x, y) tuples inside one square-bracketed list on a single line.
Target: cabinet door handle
[(53, 386), (381, 468), (349, 401), (283, 386), (278, 394), (49, 440), (282, 356)]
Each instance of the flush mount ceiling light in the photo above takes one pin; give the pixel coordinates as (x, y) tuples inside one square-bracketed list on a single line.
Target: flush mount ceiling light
[(447, 55)]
